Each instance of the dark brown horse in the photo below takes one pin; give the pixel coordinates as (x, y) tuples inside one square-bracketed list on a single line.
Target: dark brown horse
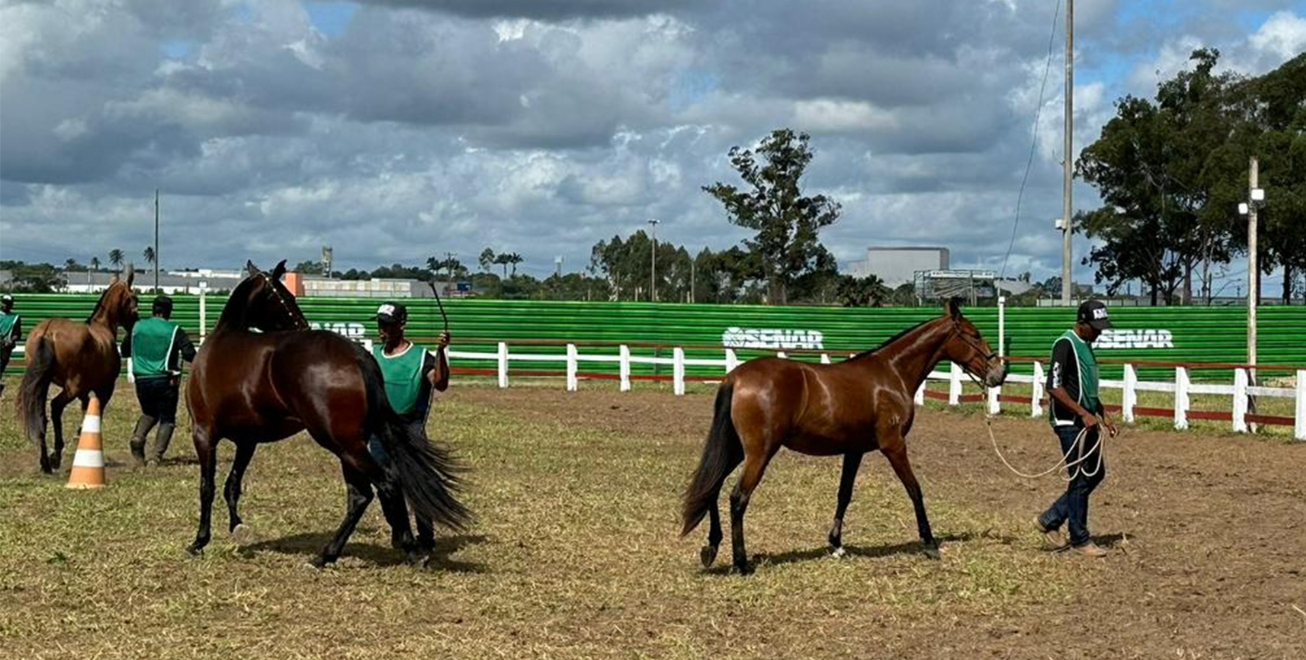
[(849, 408), (256, 387), (81, 358)]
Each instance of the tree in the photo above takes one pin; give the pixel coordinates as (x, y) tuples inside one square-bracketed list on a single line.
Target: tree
[(868, 291), (513, 259), (503, 260), (148, 254), (309, 267), (115, 257), (70, 265), (487, 259), (95, 263), (34, 278), (786, 222)]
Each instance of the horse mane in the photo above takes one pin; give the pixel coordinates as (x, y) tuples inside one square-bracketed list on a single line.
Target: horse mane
[(890, 340), (233, 313), (99, 304)]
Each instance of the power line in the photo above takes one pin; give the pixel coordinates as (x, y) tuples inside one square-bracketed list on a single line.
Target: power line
[(1033, 143)]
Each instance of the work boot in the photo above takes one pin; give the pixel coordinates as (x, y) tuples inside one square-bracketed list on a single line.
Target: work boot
[(1052, 537), (143, 426), (1090, 549), (161, 443)]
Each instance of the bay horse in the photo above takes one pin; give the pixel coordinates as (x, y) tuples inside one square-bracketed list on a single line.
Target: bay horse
[(262, 376), (848, 408), (81, 358)]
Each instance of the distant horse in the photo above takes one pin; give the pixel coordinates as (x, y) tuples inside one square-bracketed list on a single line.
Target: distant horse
[(852, 407), (256, 387), (81, 358)]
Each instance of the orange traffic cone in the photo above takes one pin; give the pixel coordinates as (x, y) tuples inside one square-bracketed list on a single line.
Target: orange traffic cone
[(88, 462)]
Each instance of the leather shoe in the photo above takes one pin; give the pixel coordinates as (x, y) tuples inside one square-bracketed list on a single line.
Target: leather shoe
[(1090, 549)]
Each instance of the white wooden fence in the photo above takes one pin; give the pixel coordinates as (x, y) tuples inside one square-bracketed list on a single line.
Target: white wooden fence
[(1182, 388)]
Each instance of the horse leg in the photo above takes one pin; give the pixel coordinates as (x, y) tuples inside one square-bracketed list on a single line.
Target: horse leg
[(240, 532), (754, 466), (714, 535), (896, 452), (206, 450), (851, 462), (57, 405), (360, 495)]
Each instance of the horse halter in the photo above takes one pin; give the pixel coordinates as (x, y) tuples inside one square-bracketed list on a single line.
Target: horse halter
[(979, 349), (296, 320)]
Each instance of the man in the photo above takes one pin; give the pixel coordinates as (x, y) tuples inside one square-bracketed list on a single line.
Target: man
[(410, 372), (11, 330), (156, 347), (1076, 408)]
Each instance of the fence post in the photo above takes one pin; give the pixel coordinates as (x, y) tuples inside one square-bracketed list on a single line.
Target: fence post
[(781, 355), (825, 358), (920, 392), (1240, 400), (954, 384), (995, 406), (1181, 402), (1129, 397), (204, 311), (503, 364), (1036, 395), (1299, 428), (678, 370), (573, 383), (732, 360), (625, 368)]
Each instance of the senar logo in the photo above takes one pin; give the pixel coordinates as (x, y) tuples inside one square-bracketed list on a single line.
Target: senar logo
[(772, 339), (1115, 339), (354, 331)]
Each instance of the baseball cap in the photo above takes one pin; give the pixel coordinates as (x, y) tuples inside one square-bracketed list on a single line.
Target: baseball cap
[(392, 313), (1093, 312), (6, 298)]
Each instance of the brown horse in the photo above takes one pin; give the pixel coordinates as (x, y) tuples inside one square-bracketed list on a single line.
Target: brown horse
[(256, 387), (849, 408), (81, 358)]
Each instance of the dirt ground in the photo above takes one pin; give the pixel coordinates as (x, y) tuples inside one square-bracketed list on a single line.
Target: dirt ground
[(575, 553)]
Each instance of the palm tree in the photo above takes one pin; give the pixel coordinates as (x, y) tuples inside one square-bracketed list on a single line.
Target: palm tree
[(148, 254), (70, 264), (503, 260), (514, 259), (487, 259), (95, 263), (115, 257)]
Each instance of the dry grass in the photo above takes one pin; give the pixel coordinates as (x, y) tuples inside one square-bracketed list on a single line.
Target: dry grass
[(574, 555)]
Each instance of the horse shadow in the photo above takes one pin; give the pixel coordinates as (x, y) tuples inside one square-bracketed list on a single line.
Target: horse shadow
[(311, 544), (823, 552)]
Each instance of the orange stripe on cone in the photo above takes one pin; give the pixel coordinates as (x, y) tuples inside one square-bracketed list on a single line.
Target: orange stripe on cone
[(88, 462)]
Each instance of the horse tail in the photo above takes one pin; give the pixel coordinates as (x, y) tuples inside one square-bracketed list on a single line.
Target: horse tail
[(35, 387), (428, 475), (721, 454)]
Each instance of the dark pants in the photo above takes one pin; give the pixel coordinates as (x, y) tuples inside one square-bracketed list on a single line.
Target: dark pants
[(1072, 506), (425, 531), (158, 397), (6, 351)]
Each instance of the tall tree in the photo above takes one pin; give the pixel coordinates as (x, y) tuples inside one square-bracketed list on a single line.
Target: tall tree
[(786, 222), (487, 259), (95, 263), (115, 257), (148, 254)]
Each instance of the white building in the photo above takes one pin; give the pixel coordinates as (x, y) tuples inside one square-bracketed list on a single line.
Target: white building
[(171, 283), (896, 266)]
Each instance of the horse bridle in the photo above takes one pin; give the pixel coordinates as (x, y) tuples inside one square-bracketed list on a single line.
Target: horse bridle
[(979, 348), (296, 319)]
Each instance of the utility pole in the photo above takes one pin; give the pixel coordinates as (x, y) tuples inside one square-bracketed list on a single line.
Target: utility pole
[(1068, 154), (653, 278), (156, 240), (1255, 199), (692, 278)]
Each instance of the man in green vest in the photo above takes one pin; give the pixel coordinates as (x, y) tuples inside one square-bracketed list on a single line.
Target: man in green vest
[(1077, 417), (411, 374), (156, 347), (11, 331)]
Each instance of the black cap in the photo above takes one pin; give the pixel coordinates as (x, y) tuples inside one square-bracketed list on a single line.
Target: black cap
[(162, 304), (6, 298), (392, 312), (1093, 313)]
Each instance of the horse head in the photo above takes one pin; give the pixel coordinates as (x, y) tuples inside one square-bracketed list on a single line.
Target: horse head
[(118, 305), (968, 348), (265, 302)]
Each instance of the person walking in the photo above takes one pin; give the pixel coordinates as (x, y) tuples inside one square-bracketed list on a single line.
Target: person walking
[(156, 347), (11, 332)]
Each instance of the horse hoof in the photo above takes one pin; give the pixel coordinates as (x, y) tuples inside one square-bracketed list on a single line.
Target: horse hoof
[(838, 552), (242, 535), (933, 553), (744, 569), (707, 555), (195, 550)]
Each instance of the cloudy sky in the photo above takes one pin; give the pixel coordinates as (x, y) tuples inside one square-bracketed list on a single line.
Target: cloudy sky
[(399, 129)]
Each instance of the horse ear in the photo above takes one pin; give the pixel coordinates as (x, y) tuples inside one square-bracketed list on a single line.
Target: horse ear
[(131, 274), (113, 279), (253, 270), (279, 270), (952, 308)]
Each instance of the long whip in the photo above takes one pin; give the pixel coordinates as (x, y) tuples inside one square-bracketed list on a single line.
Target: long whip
[(440, 305)]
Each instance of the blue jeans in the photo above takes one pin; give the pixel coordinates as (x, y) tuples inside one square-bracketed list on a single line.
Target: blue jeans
[(1072, 506)]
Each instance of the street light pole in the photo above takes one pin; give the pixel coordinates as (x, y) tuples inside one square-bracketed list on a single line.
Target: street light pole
[(1255, 199), (653, 277), (1068, 155)]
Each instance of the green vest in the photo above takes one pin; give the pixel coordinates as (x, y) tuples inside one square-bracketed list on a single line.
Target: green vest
[(153, 342), (1088, 374), (403, 376), (7, 323)]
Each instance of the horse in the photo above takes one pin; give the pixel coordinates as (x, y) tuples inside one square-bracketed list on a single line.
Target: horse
[(848, 408), (81, 358), (263, 376)]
